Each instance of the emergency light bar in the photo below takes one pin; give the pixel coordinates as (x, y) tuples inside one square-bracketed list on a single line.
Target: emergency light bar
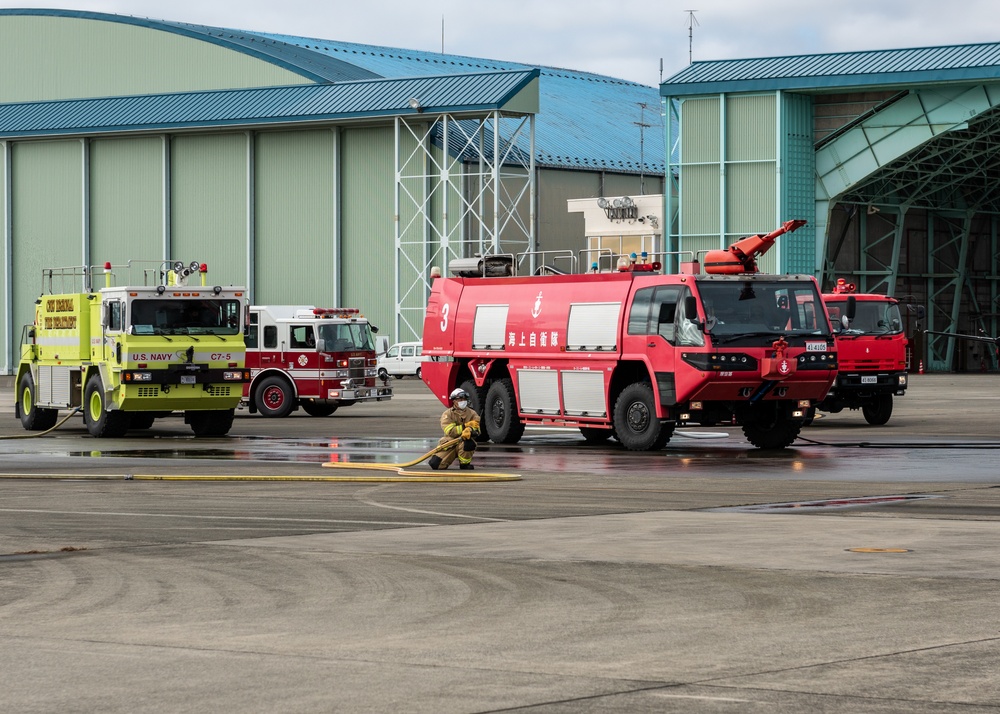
[(335, 311), (843, 286)]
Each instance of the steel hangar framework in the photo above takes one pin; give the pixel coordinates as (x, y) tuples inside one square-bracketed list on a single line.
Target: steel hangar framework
[(905, 166)]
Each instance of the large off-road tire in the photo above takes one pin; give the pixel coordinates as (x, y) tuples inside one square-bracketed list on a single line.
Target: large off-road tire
[(878, 412), (500, 413), (34, 418), (211, 422), (275, 397), (595, 435), (100, 421), (636, 425), (768, 426), (318, 410)]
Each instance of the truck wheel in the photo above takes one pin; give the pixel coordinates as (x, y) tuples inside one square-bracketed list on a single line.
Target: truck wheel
[(500, 413), (319, 410), (766, 426), (274, 397), (34, 418), (101, 422), (635, 420), (142, 420), (878, 412), (595, 435), (477, 397), (213, 422)]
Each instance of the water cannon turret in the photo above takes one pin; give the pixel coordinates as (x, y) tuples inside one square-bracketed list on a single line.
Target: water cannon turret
[(741, 256)]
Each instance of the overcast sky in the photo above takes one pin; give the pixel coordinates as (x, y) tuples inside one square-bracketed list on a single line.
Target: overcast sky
[(620, 38)]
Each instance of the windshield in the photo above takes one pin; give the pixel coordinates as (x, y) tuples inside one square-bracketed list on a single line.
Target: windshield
[(185, 317), (761, 307), (347, 337), (871, 317)]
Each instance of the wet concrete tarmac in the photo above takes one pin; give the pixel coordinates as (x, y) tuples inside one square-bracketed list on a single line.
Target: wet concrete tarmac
[(854, 572)]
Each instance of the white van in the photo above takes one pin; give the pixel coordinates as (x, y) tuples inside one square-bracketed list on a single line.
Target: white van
[(402, 359)]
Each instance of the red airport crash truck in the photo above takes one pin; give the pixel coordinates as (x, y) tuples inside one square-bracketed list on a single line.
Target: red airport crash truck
[(316, 358), (633, 353), (871, 353)]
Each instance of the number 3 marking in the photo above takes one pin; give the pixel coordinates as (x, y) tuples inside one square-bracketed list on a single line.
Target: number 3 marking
[(444, 316)]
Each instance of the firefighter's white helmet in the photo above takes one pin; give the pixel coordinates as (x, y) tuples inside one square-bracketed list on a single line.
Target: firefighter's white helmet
[(459, 393)]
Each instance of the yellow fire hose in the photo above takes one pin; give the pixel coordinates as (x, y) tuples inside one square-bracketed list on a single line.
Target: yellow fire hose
[(404, 475), (43, 433)]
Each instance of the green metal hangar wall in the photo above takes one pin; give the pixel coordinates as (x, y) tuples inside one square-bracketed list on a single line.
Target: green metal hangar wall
[(312, 171), (890, 155)]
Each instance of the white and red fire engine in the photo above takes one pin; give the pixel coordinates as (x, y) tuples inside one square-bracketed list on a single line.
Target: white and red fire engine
[(316, 358), (634, 353), (871, 352)]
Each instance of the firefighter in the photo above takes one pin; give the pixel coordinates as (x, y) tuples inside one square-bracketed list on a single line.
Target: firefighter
[(458, 421)]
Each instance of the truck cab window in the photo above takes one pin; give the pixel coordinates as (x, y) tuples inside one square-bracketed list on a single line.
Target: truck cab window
[(638, 317), (270, 337), (664, 311), (115, 316), (303, 337)]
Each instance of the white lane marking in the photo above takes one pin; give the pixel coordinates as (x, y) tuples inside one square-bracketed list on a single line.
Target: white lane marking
[(376, 504), (695, 696)]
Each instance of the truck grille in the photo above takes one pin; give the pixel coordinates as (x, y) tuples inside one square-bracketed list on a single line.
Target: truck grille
[(221, 391), (357, 368), (149, 392)]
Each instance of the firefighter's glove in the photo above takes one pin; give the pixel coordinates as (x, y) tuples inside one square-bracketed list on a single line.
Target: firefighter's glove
[(474, 425), (466, 433), (469, 445)]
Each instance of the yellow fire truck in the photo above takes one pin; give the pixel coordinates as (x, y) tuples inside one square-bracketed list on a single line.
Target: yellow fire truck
[(127, 355)]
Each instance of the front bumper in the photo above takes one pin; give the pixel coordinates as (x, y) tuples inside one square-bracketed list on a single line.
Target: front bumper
[(359, 394)]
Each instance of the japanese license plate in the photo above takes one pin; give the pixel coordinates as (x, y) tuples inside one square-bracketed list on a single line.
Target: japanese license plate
[(869, 379)]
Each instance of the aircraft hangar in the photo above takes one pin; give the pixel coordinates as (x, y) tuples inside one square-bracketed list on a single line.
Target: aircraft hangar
[(311, 171), (891, 156)]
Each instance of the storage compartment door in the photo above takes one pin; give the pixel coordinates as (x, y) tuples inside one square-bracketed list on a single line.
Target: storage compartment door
[(593, 326), (538, 391), (490, 327), (584, 394)]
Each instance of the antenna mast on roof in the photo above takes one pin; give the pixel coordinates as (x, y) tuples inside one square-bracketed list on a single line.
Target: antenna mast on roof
[(442, 33), (692, 21), (642, 148)]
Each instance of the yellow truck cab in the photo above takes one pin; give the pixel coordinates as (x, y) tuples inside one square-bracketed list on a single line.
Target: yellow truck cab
[(129, 354)]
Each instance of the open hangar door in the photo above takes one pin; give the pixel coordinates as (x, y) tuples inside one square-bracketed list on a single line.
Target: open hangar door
[(924, 229)]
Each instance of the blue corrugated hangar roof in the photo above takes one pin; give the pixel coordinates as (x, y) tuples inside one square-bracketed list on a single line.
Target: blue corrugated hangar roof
[(269, 105), (845, 70), (585, 121)]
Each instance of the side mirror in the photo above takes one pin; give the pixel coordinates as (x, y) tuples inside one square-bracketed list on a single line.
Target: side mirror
[(374, 328), (690, 307), (321, 345), (105, 315), (852, 308)]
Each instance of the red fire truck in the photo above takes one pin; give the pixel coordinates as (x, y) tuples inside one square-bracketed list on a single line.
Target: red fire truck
[(871, 353), (633, 353), (316, 358)]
